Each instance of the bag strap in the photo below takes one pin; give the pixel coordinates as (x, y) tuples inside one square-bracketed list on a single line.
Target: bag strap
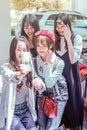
[(35, 65), (85, 87), (54, 94)]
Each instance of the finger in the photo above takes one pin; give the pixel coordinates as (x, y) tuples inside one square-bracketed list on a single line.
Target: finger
[(38, 87), (37, 84), (68, 27)]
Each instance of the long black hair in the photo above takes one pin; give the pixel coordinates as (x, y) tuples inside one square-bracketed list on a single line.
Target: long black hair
[(32, 20), (65, 19)]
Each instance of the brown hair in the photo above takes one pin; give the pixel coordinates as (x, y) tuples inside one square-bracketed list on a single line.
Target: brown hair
[(48, 40), (12, 58)]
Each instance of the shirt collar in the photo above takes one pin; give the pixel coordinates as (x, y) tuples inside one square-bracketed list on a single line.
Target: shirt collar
[(52, 59)]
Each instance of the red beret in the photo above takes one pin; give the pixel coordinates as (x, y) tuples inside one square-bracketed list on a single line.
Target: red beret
[(46, 33)]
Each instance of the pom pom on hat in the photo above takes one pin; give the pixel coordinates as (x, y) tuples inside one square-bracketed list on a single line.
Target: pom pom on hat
[(46, 33)]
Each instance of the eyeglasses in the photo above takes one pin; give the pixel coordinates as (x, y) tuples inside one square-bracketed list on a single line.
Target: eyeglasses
[(59, 26)]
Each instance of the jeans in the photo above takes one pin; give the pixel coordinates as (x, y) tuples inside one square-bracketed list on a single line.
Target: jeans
[(46, 123), (22, 119)]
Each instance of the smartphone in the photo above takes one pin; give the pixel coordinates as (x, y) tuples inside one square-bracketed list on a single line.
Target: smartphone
[(27, 60)]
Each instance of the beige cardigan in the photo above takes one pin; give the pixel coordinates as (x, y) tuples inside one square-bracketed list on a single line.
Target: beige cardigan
[(8, 95)]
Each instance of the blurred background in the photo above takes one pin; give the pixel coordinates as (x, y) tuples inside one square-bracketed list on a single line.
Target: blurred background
[(12, 12)]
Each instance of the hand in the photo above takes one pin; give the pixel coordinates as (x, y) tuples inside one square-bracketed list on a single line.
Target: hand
[(67, 33), (49, 56), (37, 84), (23, 71), (25, 68)]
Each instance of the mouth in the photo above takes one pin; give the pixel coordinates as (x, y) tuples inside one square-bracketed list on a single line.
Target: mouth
[(19, 56), (41, 51), (61, 33), (30, 34)]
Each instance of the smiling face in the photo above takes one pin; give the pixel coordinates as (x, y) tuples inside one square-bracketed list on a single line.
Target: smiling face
[(60, 28), (42, 46), (29, 30), (20, 48)]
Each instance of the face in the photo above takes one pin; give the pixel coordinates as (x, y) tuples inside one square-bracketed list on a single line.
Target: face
[(60, 28), (42, 47), (21, 47), (29, 30)]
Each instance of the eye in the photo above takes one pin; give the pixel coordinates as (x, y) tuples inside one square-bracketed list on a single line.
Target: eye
[(24, 49), (25, 27), (18, 49), (44, 44)]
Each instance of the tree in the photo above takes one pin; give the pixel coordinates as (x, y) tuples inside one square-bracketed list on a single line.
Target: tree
[(22, 4), (42, 4)]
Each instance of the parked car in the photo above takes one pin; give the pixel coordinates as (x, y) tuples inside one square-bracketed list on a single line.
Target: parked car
[(78, 21)]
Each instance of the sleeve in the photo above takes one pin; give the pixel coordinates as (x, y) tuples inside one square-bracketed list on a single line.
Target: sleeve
[(77, 47), (34, 74), (56, 78), (31, 103), (8, 74), (51, 77)]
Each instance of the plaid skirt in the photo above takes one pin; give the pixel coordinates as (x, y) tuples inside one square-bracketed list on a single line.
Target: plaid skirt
[(22, 119)]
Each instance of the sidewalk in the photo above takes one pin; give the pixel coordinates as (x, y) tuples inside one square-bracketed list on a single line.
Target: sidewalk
[(84, 126)]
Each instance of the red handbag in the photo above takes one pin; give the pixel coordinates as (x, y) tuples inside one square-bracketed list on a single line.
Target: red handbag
[(84, 71), (82, 66), (49, 106)]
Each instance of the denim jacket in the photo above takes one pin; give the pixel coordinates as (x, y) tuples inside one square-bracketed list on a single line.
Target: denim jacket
[(51, 73)]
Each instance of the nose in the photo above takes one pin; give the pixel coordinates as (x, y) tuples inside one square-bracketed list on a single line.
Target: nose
[(22, 51), (29, 29)]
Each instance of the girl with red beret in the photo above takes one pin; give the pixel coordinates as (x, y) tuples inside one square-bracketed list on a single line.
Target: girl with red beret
[(49, 68)]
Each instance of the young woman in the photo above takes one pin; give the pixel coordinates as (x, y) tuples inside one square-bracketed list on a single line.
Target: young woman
[(29, 26), (49, 69), (17, 108), (68, 48)]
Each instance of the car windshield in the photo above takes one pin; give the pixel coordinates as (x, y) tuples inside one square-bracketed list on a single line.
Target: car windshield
[(76, 20), (39, 16)]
